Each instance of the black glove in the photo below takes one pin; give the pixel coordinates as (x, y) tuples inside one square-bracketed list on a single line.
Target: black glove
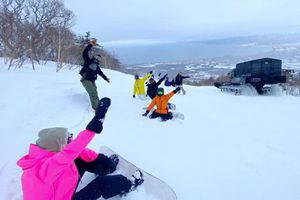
[(150, 72), (133, 96), (176, 90), (103, 165), (95, 124), (146, 113)]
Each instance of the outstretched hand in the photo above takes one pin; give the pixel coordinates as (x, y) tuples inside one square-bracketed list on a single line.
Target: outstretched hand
[(95, 124), (177, 90)]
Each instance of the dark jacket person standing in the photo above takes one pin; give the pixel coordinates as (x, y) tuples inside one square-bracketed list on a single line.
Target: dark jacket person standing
[(153, 86), (90, 71)]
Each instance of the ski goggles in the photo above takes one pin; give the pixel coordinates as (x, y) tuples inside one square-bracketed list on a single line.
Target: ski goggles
[(160, 93)]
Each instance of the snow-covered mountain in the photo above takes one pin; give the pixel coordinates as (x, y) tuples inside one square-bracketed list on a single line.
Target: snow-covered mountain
[(212, 58), (227, 148)]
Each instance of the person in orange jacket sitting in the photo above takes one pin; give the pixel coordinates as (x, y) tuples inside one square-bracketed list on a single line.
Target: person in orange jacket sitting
[(161, 102)]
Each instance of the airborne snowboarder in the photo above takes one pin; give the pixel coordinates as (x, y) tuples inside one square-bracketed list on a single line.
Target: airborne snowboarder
[(179, 82)]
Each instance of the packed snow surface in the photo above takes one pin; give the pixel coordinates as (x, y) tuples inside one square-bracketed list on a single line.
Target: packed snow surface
[(227, 148)]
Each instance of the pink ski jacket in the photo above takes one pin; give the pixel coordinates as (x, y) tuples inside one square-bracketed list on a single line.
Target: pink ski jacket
[(53, 175)]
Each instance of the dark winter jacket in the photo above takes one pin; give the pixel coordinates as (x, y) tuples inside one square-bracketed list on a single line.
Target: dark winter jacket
[(90, 74), (161, 103), (90, 68), (179, 79), (152, 88)]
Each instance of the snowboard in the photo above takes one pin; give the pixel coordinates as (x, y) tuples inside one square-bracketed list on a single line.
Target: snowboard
[(141, 97), (177, 115), (153, 188)]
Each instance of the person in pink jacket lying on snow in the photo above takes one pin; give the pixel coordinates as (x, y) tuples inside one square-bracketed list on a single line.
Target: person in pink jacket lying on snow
[(54, 165)]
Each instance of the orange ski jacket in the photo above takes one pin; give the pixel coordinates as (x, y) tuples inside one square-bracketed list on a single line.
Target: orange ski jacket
[(161, 103)]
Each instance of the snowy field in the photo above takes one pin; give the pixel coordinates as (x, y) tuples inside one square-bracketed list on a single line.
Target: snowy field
[(227, 148)]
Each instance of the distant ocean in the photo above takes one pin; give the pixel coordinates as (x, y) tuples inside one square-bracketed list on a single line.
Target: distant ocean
[(182, 51)]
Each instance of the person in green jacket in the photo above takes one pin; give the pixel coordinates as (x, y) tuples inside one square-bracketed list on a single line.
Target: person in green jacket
[(139, 86)]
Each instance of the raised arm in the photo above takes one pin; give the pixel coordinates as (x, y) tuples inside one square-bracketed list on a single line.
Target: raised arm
[(172, 93), (85, 54), (169, 95), (161, 80), (51, 169), (146, 76), (184, 77)]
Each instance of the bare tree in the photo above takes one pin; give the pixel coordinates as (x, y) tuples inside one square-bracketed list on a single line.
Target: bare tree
[(61, 42), (25, 26), (12, 32), (39, 30), (44, 15)]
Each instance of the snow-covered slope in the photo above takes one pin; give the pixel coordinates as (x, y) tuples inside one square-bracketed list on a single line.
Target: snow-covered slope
[(227, 148)]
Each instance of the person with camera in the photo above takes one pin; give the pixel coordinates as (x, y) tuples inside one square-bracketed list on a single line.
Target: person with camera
[(55, 163), (90, 71)]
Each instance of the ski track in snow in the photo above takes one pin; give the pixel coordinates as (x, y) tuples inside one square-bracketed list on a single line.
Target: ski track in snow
[(227, 148)]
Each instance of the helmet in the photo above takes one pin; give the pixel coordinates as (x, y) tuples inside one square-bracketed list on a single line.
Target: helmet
[(136, 76), (160, 91)]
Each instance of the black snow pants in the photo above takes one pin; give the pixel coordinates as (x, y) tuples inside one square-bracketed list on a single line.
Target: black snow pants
[(164, 117), (103, 185)]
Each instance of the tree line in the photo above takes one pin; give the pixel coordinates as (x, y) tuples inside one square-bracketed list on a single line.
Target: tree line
[(39, 31)]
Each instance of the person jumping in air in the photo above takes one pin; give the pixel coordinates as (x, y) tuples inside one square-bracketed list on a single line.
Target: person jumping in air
[(139, 86), (90, 71), (153, 85), (179, 82), (161, 103), (55, 163)]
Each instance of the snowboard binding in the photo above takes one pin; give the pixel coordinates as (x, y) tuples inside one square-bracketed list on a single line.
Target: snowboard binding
[(114, 158), (137, 179)]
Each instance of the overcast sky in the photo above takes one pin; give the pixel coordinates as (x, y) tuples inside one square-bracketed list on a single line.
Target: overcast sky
[(115, 20)]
